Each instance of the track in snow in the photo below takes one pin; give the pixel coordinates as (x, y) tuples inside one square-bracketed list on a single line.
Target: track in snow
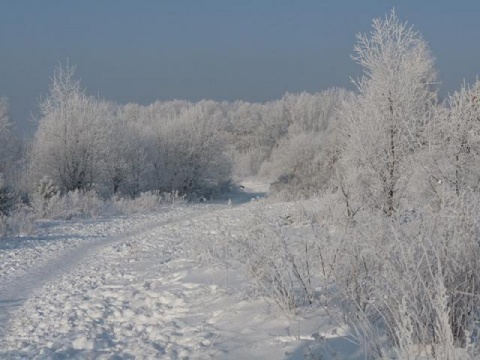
[(135, 295), (14, 292)]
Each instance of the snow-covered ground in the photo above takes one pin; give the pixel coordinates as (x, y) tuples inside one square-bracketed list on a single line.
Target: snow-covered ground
[(124, 288)]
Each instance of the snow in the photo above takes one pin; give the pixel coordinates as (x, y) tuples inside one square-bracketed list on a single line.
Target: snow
[(124, 288)]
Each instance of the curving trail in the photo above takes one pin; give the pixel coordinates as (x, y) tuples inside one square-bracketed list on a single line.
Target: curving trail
[(126, 289), (63, 257)]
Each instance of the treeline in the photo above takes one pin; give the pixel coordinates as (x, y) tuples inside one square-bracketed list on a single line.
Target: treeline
[(86, 144), (388, 145)]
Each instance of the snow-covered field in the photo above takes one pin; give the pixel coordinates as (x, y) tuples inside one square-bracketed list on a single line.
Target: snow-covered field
[(124, 288)]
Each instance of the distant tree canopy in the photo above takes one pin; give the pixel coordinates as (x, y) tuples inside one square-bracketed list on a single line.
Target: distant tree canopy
[(371, 145), (84, 143)]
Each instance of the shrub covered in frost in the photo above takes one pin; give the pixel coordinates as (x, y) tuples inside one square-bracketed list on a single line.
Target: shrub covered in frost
[(146, 202)]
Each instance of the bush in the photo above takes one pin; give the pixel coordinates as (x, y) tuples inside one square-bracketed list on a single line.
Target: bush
[(280, 260), (407, 285), (74, 204), (7, 199), (41, 197), (146, 202), (21, 221), (414, 277), (297, 166)]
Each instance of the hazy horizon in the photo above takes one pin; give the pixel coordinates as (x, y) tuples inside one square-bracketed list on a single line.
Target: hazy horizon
[(219, 50)]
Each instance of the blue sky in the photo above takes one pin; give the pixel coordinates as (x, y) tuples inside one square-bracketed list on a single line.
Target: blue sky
[(142, 51)]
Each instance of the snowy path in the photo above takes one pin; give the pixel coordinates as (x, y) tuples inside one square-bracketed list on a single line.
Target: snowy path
[(28, 264), (65, 254), (126, 289)]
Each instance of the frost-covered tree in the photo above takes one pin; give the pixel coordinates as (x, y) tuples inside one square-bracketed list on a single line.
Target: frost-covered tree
[(128, 167), (302, 162), (70, 145), (312, 113), (456, 150), (8, 157), (385, 123), (172, 146), (253, 130), (188, 151), (7, 138), (5, 127)]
